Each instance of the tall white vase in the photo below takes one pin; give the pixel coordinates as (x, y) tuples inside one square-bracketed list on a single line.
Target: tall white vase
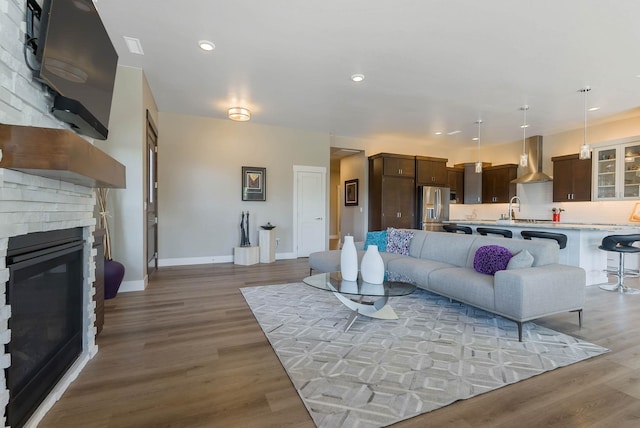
[(349, 260), (372, 266)]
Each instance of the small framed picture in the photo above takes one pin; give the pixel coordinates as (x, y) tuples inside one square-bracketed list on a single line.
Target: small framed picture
[(254, 181), (351, 193)]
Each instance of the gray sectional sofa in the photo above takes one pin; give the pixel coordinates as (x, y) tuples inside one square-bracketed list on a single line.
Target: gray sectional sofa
[(443, 264)]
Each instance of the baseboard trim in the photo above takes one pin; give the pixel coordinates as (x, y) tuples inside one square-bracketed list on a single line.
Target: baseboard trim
[(187, 261), (128, 286)]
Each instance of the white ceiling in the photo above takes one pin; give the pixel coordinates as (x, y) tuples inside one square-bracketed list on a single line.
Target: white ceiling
[(430, 65)]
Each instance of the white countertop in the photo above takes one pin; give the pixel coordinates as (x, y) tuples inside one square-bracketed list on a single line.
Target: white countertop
[(542, 224)]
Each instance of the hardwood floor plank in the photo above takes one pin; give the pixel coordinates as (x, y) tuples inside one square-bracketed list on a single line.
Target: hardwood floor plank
[(188, 352)]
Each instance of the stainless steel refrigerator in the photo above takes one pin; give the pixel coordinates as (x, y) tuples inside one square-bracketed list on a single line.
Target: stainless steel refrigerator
[(433, 206)]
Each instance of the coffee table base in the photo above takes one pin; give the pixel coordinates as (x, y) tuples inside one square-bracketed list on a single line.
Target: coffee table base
[(377, 309)]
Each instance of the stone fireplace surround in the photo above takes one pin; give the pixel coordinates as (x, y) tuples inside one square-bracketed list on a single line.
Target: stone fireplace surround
[(30, 203), (47, 181)]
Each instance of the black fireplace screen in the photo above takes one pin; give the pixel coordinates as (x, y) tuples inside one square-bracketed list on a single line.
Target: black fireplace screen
[(45, 293)]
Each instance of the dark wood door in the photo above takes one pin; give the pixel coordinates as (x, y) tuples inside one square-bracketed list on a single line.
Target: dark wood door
[(398, 202), (581, 180), (562, 180), (151, 202)]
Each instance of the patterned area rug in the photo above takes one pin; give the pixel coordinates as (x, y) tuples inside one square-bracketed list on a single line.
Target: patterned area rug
[(384, 371)]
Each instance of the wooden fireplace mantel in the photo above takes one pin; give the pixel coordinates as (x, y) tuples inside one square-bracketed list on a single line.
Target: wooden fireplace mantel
[(59, 154)]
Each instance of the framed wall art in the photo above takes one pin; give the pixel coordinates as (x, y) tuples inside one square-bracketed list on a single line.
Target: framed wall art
[(254, 183), (351, 193)]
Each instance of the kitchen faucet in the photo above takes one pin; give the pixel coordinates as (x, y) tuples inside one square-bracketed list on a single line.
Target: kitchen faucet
[(512, 215)]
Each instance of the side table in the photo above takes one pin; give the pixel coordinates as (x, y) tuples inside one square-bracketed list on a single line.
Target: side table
[(246, 256), (267, 242)]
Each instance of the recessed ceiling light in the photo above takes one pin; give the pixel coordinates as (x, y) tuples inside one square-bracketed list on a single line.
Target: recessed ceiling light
[(438, 132), (594, 108), (134, 45), (474, 139), (454, 132), (524, 126), (357, 77), (206, 45)]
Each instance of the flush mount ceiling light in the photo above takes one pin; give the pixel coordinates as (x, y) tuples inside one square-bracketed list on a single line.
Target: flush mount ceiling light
[(239, 114), (206, 45), (524, 161), (357, 77), (478, 164), (453, 132), (585, 149), (134, 45)]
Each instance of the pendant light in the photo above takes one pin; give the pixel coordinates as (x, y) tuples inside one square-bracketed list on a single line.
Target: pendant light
[(524, 161), (478, 164), (585, 149)]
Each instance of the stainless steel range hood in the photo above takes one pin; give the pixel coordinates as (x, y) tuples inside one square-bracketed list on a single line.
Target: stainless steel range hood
[(533, 146)]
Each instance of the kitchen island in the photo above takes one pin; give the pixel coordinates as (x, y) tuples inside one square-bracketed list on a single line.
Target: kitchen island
[(582, 242)]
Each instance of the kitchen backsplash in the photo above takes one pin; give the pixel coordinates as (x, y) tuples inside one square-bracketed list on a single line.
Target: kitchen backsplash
[(537, 203)]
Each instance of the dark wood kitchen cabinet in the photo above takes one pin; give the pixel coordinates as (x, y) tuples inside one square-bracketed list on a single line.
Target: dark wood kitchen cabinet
[(571, 179), (397, 165), (431, 171), (455, 181), (496, 183), (392, 191)]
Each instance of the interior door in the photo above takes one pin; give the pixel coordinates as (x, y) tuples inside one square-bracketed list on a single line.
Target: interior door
[(310, 210), (151, 202)]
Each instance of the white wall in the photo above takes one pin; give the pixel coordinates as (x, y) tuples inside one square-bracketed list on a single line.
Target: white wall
[(127, 143), (353, 219), (199, 191)]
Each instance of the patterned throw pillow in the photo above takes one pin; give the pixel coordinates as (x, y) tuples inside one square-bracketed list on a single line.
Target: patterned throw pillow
[(377, 238), (398, 241), (521, 259), (491, 258)]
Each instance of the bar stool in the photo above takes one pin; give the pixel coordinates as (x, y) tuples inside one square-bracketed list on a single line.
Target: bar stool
[(492, 230), (560, 238), (621, 244), (454, 228)]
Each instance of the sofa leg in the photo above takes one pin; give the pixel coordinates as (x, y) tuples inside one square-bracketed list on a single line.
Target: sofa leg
[(519, 331), (579, 311)]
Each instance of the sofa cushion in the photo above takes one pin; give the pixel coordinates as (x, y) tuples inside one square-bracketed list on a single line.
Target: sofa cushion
[(398, 241), (491, 258), (377, 238), (417, 270), (451, 248), (520, 260), (464, 285), (543, 251)]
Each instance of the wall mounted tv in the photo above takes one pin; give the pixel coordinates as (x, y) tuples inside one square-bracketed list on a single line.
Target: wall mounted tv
[(75, 59)]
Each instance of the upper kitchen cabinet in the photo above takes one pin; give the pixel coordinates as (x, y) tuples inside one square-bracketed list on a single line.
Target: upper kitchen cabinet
[(616, 171), (392, 193), (397, 165), (431, 171), (571, 179), (455, 181), (496, 183)]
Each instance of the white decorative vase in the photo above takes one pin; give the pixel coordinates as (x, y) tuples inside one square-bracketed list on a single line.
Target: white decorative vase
[(372, 266), (349, 260)]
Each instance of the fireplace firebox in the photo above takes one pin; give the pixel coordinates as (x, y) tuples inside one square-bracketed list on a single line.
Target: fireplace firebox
[(45, 292)]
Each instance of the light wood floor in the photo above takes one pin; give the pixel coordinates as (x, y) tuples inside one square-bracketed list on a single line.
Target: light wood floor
[(187, 352)]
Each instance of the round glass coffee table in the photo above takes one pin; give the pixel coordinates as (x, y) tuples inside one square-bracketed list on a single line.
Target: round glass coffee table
[(352, 294)]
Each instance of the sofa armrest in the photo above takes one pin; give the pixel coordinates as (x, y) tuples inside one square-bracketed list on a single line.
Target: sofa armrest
[(526, 294)]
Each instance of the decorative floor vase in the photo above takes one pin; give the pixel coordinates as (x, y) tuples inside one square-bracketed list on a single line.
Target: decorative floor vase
[(113, 275), (349, 260), (372, 266)]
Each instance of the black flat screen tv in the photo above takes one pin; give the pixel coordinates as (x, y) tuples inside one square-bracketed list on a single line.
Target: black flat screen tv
[(78, 62)]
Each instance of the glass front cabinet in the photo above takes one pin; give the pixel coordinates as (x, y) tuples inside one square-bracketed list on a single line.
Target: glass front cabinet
[(616, 171)]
